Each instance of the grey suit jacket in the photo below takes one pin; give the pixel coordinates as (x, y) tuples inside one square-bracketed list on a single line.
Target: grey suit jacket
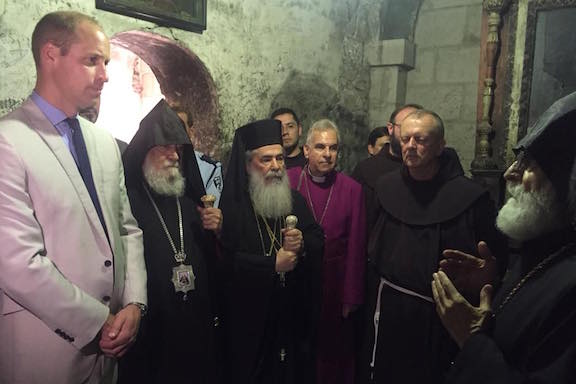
[(55, 259)]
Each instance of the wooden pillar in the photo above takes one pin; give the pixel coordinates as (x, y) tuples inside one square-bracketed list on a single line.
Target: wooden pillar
[(485, 167)]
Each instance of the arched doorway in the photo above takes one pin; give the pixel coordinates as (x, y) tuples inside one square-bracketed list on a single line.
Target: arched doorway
[(145, 67)]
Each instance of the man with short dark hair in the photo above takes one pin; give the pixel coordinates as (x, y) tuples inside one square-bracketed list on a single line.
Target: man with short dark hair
[(424, 207), (378, 138), (526, 333), (72, 275), (272, 287), (291, 132), (210, 169)]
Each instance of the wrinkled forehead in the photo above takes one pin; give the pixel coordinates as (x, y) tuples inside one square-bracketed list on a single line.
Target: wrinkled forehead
[(422, 124), (162, 150), (268, 150)]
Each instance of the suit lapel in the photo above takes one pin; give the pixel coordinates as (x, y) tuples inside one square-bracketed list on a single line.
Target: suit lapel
[(54, 141)]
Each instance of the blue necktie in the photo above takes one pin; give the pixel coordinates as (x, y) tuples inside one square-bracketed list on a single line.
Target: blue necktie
[(83, 163)]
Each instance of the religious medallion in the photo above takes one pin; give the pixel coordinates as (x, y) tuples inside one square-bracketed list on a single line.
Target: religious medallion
[(183, 279)]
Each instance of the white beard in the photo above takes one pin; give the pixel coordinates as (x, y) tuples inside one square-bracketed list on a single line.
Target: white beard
[(165, 182), (527, 215), (273, 199)]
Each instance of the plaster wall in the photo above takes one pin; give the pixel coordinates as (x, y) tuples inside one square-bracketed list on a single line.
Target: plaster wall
[(254, 51), (445, 75)]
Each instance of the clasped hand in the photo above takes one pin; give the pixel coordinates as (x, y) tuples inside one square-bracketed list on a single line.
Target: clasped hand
[(120, 331)]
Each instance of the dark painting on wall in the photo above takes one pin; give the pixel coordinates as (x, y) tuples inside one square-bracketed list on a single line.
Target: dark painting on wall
[(554, 66), (189, 15)]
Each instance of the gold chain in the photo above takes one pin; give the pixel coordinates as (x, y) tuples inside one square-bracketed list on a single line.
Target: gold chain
[(312, 204), (271, 235)]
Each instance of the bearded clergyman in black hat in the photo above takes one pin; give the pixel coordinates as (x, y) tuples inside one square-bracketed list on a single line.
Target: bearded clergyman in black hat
[(527, 333), (177, 341), (273, 267)]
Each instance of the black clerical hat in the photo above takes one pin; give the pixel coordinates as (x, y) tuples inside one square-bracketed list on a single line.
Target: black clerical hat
[(246, 138), (551, 142), (259, 133)]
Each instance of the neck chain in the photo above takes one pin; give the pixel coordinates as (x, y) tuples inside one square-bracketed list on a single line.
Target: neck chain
[(275, 243), (303, 176), (541, 265), (180, 255)]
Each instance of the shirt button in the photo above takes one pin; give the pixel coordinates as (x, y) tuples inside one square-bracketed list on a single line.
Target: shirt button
[(106, 298), (107, 263)]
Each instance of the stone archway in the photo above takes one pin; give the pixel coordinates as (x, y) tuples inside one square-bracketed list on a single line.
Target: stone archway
[(183, 78)]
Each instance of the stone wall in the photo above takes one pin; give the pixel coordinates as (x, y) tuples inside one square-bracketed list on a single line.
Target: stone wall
[(302, 53), (445, 77)]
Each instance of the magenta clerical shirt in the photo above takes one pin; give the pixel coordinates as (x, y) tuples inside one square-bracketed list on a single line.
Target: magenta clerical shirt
[(338, 206)]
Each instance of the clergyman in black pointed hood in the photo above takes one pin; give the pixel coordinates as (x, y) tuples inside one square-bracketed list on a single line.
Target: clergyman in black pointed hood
[(164, 188), (526, 333)]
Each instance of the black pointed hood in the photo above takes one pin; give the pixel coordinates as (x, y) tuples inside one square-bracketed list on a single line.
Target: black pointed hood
[(551, 142), (162, 126)]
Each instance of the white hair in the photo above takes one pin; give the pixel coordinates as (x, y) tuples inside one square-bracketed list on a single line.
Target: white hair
[(167, 181), (322, 125), (527, 215)]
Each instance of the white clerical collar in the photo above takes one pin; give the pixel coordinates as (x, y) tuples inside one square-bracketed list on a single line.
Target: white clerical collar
[(316, 179)]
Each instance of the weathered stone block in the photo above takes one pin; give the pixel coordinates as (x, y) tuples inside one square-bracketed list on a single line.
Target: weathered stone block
[(458, 64), (440, 28), (424, 69), (446, 100), (397, 52)]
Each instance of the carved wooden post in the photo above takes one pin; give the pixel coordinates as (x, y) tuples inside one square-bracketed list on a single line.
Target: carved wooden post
[(483, 159), (485, 167)]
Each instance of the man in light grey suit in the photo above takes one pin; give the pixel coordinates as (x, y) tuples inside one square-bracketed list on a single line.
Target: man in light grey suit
[(72, 275)]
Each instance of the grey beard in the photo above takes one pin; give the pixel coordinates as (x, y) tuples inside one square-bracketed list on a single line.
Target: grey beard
[(527, 215), (270, 200), (167, 182)]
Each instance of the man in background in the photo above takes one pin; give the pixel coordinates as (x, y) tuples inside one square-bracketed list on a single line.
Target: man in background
[(210, 169), (378, 138), (291, 132), (369, 170), (72, 275)]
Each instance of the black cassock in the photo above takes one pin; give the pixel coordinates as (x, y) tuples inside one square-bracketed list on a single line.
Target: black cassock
[(177, 339), (532, 338), (176, 343), (269, 328)]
